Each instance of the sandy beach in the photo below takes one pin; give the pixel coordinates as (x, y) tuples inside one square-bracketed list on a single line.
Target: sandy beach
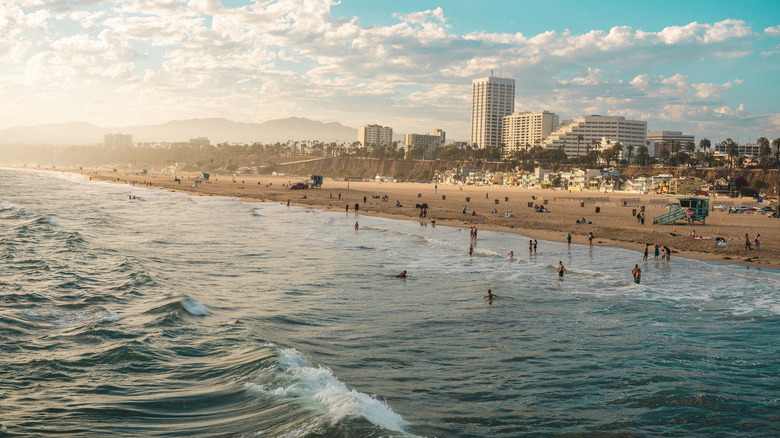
[(613, 225)]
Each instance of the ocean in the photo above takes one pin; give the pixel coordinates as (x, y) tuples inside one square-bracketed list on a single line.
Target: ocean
[(168, 314)]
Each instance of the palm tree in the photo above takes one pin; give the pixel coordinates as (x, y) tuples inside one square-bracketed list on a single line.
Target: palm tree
[(705, 145), (562, 148), (643, 154), (731, 150), (764, 151), (776, 144), (579, 139), (630, 149)]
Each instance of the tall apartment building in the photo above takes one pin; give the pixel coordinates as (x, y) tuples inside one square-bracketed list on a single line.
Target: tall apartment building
[(597, 129), (660, 140), (375, 135), (116, 141), (526, 130), (492, 98), (431, 142)]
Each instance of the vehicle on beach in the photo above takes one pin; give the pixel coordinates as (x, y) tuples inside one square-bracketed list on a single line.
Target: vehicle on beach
[(299, 186), (741, 208)]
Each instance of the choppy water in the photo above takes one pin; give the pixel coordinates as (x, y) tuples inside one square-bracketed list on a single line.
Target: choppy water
[(175, 315)]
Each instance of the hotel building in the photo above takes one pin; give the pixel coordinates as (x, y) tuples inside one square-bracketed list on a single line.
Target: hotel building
[(117, 141), (375, 135), (596, 129), (430, 142), (492, 99), (660, 140), (522, 131)]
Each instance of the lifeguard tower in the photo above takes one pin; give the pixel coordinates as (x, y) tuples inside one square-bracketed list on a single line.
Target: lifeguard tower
[(315, 181), (689, 209)]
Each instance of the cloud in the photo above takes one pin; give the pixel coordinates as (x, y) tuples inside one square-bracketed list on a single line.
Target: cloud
[(293, 57)]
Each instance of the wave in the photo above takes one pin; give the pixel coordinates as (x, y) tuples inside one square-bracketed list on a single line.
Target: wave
[(300, 380)]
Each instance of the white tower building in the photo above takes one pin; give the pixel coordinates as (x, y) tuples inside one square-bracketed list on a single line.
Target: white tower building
[(492, 99)]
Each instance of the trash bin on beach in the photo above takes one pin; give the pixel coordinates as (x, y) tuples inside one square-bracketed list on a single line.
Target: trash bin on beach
[(597, 210), (642, 208), (545, 202), (633, 212), (582, 203), (506, 198), (496, 201), (530, 204), (468, 198), (443, 197), (419, 195)]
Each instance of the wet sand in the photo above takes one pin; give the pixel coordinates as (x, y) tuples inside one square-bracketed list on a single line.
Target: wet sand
[(613, 225)]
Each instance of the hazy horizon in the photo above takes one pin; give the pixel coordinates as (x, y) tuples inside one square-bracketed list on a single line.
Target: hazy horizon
[(707, 69)]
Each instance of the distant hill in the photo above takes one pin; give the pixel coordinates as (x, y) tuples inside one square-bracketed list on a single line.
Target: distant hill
[(217, 130)]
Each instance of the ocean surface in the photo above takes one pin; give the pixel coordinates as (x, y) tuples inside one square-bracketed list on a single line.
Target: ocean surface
[(177, 315)]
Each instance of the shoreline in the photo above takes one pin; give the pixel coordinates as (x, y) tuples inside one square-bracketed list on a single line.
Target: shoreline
[(614, 225)]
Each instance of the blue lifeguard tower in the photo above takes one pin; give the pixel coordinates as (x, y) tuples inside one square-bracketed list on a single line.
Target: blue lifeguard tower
[(689, 209)]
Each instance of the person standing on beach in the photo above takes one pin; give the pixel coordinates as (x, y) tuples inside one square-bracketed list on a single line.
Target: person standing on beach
[(530, 247), (668, 253), (657, 252), (758, 242), (471, 250), (568, 239), (637, 273), (590, 239), (534, 246), (347, 208), (647, 252), (747, 242), (356, 226), (357, 207), (561, 269)]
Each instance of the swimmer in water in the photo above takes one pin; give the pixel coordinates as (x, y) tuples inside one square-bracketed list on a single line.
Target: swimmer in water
[(637, 273), (511, 255), (402, 275), (561, 269), (490, 296)]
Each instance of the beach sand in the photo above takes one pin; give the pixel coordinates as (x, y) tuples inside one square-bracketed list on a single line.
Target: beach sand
[(613, 225)]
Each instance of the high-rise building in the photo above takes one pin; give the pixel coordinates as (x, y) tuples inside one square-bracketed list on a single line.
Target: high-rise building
[(492, 98), (430, 142), (660, 140), (525, 130), (200, 142), (370, 136), (116, 141), (596, 131)]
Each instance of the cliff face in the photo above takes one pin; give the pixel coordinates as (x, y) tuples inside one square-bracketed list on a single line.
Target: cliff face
[(370, 167)]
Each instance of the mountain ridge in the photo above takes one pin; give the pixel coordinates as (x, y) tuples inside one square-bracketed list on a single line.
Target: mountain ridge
[(218, 130)]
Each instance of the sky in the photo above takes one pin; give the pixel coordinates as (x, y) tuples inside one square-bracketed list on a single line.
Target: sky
[(707, 68)]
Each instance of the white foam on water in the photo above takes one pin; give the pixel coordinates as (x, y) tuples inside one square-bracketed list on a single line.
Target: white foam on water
[(84, 317), (195, 308), (319, 385), (5, 205), (31, 313), (52, 222)]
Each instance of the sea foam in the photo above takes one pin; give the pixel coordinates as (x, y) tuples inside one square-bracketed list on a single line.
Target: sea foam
[(319, 385)]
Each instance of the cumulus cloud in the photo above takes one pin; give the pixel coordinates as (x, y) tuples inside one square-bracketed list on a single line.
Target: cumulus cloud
[(294, 57)]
